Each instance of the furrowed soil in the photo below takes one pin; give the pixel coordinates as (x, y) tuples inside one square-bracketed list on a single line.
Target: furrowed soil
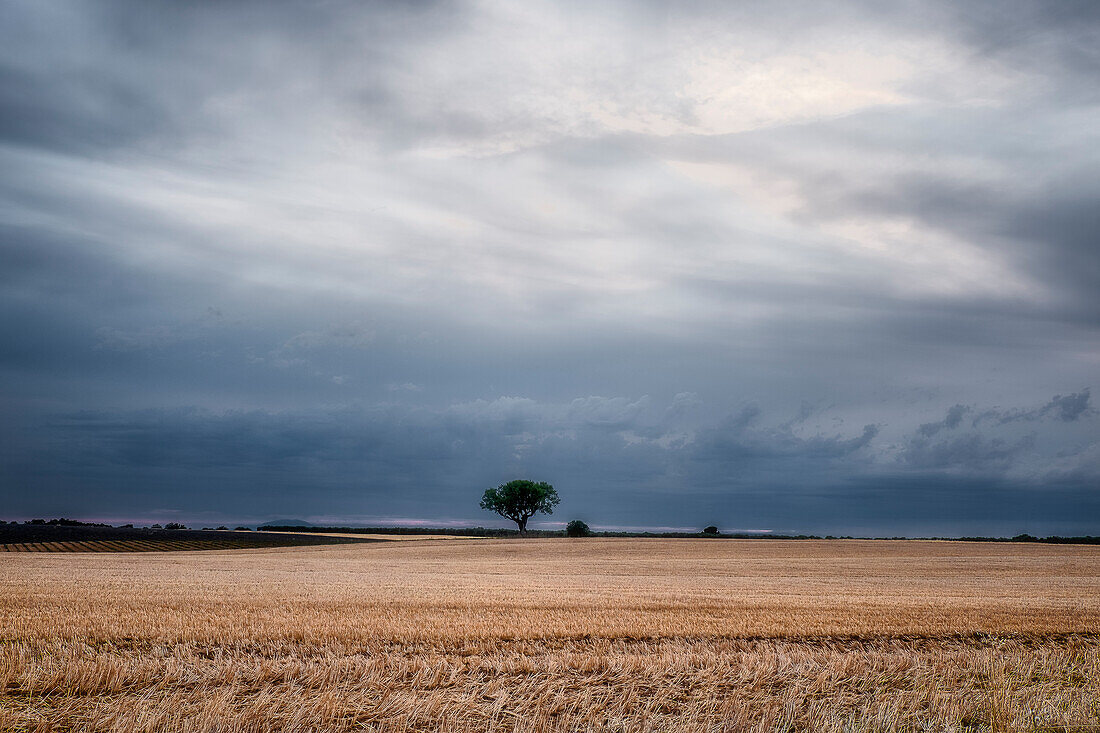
[(89, 538), (556, 635)]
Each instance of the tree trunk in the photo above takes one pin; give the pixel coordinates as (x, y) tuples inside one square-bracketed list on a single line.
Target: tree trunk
[(522, 526)]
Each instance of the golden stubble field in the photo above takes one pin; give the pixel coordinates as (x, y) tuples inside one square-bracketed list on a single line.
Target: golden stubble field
[(555, 634)]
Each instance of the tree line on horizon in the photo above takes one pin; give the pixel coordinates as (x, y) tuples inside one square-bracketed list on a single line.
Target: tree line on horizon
[(520, 499)]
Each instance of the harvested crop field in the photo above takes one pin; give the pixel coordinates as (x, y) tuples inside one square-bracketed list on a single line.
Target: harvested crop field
[(548, 635), (88, 538)]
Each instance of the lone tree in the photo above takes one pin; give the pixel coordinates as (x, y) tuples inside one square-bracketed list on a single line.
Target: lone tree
[(519, 500)]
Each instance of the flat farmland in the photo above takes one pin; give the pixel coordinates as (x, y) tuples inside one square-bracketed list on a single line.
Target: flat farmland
[(91, 538), (555, 634)]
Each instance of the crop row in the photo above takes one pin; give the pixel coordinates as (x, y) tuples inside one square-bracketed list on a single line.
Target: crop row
[(143, 545)]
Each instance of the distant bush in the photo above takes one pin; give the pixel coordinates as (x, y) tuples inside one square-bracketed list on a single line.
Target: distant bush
[(223, 527), (577, 528), (174, 525), (710, 530), (157, 526), (242, 529)]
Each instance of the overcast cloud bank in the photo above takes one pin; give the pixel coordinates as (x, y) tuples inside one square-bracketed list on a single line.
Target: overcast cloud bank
[(832, 267)]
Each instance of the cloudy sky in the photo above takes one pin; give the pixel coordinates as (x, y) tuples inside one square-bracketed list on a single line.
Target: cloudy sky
[(787, 266)]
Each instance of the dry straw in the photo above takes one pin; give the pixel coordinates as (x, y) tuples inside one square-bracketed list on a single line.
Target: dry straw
[(554, 635)]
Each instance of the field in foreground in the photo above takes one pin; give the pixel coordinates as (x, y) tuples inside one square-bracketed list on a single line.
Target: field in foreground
[(602, 635)]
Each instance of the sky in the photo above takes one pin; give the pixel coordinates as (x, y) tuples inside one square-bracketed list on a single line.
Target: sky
[(786, 266)]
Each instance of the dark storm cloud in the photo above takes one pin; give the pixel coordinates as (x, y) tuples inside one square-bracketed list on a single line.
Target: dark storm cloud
[(261, 456), (970, 452), (1067, 408), (950, 421), (1061, 35), (1070, 407), (40, 111), (1045, 229), (827, 263), (1052, 229), (951, 506), (732, 441), (397, 461)]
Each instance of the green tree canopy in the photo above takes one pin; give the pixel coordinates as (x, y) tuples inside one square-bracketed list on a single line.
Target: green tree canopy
[(577, 528), (519, 500)]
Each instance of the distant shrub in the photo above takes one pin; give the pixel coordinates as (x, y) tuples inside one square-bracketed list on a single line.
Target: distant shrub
[(710, 530), (577, 528), (242, 529), (157, 526), (127, 526), (174, 525), (223, 527)]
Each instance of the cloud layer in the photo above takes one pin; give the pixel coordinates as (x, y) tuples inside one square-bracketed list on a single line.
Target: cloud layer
[(823, 267)]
